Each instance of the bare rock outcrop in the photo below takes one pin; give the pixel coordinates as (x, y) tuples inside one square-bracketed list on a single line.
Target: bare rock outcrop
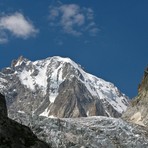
[(137, 112)]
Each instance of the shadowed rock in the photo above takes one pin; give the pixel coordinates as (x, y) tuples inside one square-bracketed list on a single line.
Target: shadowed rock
[(3, 108), (15, 135)]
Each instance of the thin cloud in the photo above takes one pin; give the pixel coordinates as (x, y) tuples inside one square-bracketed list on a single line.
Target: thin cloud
[(59, 41), (94, 31), (17, 25), (72, 19), (90, 14), (3, 40), (3, 37)]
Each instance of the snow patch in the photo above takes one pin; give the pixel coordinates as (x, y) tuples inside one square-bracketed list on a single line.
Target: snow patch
[(26, 79), (22, 112), (45, 113), (52, 116)]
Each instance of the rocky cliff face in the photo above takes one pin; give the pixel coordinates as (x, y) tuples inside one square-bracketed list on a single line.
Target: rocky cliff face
[(58, 87), (15, 135), (138, 110)]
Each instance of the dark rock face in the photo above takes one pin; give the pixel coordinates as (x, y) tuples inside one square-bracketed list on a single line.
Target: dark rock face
[(15, 135), (58, 87), (138, 109), (3, 108)]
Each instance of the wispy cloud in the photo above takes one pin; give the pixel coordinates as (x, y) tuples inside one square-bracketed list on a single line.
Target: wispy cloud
[(3, 37), (17, 25), (59, 41), (73, 19)]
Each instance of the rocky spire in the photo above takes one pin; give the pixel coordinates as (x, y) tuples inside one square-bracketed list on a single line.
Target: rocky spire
[(18, 61)]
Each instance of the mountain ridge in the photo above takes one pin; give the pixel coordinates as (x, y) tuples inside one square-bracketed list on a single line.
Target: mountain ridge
[(41, 83)]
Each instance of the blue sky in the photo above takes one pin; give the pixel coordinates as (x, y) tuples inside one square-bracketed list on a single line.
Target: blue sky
[(108, 38)]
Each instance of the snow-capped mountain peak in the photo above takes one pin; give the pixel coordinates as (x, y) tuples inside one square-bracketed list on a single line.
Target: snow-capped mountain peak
[(60, 83)]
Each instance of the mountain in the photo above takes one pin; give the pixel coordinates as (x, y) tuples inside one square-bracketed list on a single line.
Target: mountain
[(58, 87), (83, 132), (138, 109), (15, 135)]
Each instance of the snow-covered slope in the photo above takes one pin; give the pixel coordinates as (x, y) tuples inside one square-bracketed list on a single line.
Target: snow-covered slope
[(57, 83)]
